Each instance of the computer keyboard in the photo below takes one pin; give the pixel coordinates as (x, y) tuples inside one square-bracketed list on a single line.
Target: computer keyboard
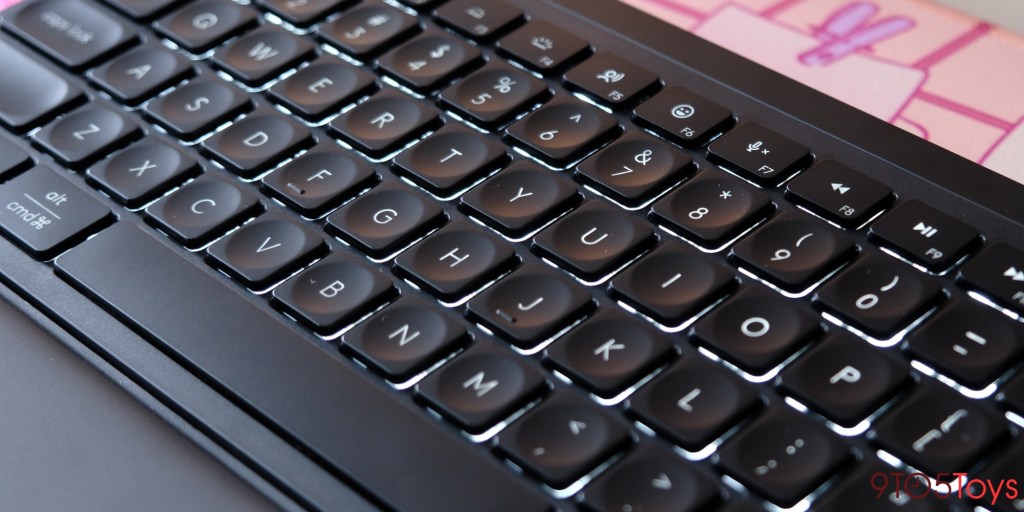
[(468, 256)]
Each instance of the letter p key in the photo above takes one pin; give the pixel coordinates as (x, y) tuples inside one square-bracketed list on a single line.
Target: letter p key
[(847, 374)]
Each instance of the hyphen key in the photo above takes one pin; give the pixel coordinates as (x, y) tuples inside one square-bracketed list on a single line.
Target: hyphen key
[(260, 362)]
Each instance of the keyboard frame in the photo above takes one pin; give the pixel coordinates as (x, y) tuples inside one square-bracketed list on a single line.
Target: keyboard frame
[(830, 128)]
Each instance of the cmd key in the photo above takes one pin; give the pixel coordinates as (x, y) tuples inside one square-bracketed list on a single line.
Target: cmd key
[(44, 213), (74, 33)]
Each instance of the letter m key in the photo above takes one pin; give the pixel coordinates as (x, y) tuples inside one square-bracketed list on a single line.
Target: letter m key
[(477, 384)]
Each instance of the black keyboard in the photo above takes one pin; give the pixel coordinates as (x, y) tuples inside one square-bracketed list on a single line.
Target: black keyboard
[(490, 255)]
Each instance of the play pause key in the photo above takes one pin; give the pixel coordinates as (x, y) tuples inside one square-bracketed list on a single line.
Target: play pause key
[(924, 235)]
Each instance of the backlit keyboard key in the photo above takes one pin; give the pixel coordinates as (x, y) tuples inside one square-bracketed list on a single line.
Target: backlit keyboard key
[(44, 213), (651, 478), (845, 378), (969, 342), (924, 235), (494, 94), (266, 250), (530, 305), (712, 208), (673, 283), (759, 154), (610, 79), (694, 402), (30, 92), (450, 158), (481, 386), (304, 12), (479, 19), (368, 29), (333, 293), (756, 331), (879, 295), (141, 73), (86, 135), (141, 172), (562, 439), (839, 193), (384, 219), (385, 122), (198, 107), (199, 26), (455, 260), (323, 88), (594, 240), (542, 47), (74, 33), (937, 430), (263, 54), (634, 168), (203, 209), (609, 351), (319, 179), (257, 142), (520, 198), (793, 250), (404, 338), (998, 272), (683, 116), (783, 456), (563, 130), (429, 60)]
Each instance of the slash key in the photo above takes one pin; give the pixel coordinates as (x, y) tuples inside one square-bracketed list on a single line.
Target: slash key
[(44, 213)]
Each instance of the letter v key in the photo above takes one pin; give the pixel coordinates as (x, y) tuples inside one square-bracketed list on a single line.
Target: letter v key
[(264, 247)]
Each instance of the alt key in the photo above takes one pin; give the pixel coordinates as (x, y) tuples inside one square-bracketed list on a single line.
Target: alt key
[(44, 213)]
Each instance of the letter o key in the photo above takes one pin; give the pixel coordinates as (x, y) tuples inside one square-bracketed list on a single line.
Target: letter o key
[(204, 20), (755, 327)]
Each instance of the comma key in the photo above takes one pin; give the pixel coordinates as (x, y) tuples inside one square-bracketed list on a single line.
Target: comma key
[(44, 213)]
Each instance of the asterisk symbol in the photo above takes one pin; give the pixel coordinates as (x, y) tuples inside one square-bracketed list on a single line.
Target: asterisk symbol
[(726, 194)]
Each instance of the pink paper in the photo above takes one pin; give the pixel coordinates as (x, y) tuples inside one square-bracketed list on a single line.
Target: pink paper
[(930, 70)]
